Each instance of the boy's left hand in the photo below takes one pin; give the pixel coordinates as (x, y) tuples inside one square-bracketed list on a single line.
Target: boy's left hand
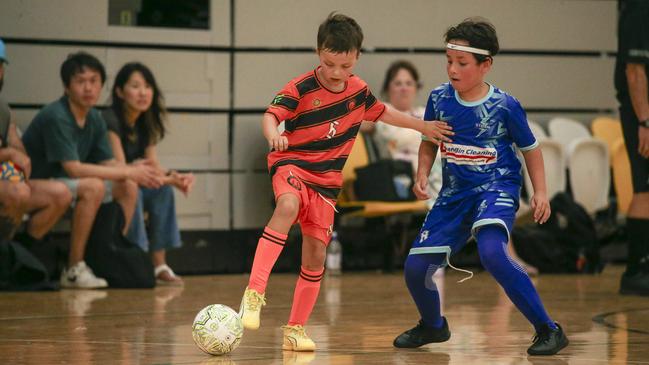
[(541, 208), (437, 131)]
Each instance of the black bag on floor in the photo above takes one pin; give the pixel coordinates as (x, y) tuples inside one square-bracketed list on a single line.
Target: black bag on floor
[(541, 249), (385, 180), (21, 271), (112, 256), (566, 243)]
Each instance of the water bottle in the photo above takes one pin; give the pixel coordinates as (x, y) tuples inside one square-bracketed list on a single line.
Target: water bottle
[(334, 255)]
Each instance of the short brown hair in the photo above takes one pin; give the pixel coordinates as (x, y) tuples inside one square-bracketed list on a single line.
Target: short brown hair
[(340, 34), (479, 33)]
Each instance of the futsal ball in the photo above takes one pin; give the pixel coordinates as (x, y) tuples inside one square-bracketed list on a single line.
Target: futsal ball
[(217, 329), (11, 172)]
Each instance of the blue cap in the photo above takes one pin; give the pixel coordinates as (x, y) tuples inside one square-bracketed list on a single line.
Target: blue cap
[(3, 52)]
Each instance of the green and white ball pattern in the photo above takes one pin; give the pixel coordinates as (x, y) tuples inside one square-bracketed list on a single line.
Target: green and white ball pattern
[(217, 329)]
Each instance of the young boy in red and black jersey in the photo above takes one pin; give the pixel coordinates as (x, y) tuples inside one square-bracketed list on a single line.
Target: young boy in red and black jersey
[(322, 111)]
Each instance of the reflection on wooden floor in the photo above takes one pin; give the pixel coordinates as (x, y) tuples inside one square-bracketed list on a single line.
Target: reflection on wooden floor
[(355, 321)]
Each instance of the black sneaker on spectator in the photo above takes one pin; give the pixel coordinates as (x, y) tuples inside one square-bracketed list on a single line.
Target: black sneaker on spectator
[(548, 341), (421, 335), (80, 276)]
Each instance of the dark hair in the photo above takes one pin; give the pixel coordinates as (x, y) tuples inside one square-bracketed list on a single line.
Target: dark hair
[(76, 62), (152, 120), (479, 33), (340, 34), (392, 71)]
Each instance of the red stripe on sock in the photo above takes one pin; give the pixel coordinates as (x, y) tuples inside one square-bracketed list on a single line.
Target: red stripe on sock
[(274, 234), (273, 240)]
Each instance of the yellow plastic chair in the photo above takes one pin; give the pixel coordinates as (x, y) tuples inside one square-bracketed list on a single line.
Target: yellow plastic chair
[(621, 176), (608, 130)]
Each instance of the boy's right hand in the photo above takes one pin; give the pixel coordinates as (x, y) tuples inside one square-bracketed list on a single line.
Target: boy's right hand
[(437, 131), (279, 143), (144, 174), (421, 188)]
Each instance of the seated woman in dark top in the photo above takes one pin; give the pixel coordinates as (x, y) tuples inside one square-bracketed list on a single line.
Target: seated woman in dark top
[(135, 125)]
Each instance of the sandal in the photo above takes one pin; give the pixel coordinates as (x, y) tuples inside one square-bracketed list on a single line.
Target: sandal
[(165, 276)]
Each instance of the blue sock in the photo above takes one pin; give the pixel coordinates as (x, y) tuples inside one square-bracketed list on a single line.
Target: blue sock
[(492, 246), (419, 270)]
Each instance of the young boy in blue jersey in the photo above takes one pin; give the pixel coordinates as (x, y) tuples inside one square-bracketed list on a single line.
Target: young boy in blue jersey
[(481, 188)]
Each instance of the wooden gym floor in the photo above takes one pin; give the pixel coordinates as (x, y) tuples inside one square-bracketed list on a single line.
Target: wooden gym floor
[(354, 322)]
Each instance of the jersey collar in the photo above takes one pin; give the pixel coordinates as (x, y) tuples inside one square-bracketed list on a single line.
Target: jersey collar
[(477, 102)]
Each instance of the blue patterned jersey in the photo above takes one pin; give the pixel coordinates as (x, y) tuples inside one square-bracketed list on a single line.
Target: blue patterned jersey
[(482, 156)]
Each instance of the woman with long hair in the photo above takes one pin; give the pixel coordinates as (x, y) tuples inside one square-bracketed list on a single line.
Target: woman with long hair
[(136, 123)]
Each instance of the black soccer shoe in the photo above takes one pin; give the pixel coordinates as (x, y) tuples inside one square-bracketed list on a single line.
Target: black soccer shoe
[(636, 284), (548, 341), (421, 335)]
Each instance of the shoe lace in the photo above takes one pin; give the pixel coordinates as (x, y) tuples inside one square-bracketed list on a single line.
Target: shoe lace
[(418, 327), (297, 330), (254, 300), (542, 335)]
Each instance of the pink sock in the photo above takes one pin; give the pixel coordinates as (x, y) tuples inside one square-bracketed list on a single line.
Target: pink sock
[(269, 248), (306, 294)]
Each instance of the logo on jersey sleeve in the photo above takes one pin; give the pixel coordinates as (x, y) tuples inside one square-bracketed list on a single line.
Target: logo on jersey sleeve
[(468, 155), (277, 100)]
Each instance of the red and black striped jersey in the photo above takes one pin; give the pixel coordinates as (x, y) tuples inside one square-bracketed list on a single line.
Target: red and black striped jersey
[(321, 126)]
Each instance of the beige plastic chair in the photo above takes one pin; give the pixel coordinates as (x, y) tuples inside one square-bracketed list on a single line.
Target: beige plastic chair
[(555, 168), (621, 176), (537, 130), (590, 173), (565, 131)]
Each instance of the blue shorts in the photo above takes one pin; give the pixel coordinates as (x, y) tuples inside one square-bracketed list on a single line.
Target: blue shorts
[(448, 226)]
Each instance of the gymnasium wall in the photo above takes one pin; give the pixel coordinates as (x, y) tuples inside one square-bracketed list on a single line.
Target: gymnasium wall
[(558, 58)]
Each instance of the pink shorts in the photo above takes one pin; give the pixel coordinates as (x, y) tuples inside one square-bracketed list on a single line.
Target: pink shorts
[(316, 215)]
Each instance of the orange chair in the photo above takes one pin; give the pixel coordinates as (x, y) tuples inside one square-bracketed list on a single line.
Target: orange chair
[(608, 130), (621, 176)]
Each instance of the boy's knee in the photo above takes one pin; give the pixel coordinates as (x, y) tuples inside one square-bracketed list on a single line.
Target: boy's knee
[(316, 261), (91, 189), (61, 195), (495, 260), (413, 268), (287, 207)]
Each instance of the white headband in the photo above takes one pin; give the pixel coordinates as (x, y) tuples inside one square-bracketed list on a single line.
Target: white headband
[(458, 47)]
